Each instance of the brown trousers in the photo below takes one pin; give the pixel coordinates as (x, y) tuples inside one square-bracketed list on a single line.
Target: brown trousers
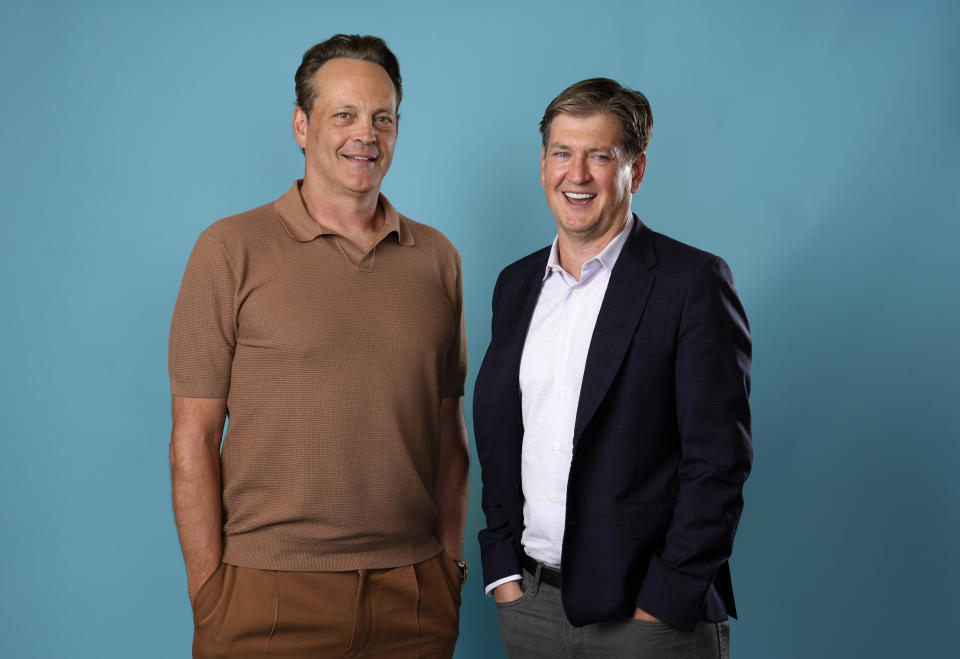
[(410, 611)]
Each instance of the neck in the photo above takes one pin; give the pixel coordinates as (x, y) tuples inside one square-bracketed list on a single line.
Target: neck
[(347, 214), (573, 249)]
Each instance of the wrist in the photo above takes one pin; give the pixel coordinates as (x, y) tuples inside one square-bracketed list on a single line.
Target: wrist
[(462, 565)]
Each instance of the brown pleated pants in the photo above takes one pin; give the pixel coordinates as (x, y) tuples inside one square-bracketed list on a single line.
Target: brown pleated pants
[(411, 611)]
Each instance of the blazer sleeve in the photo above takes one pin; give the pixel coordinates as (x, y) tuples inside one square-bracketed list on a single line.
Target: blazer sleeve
[(712, 380), (498, 547)]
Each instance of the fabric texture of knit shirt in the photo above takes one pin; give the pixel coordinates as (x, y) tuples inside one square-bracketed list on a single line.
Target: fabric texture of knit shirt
[(333, 363)]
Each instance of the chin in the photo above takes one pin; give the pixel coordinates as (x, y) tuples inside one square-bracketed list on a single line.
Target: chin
[(365, 185), (578, 225)]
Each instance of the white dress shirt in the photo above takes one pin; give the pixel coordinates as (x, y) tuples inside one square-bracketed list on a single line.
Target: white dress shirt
[(551, 372)]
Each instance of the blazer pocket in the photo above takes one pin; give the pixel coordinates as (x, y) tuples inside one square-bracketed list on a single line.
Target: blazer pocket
[(649, 520)]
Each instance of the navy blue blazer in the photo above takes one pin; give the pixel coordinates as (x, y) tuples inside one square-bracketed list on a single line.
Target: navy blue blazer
[(661, 444)]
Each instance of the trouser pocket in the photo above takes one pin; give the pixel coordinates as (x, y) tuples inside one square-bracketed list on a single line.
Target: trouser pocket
[(452, 574), (206, 598)]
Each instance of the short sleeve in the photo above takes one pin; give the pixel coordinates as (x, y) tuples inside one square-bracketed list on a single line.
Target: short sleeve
[(455, 373), (203, 333)]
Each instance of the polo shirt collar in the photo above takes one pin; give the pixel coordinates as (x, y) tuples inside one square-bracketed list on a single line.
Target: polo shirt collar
[(301, 226)]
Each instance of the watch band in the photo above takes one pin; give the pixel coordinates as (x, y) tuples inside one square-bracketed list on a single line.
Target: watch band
[(463, 571)]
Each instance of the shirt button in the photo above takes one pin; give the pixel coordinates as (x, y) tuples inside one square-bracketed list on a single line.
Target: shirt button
[(556, 445), (556, 499), (554, 269), (577, 292), (567, 343), (563, 394)]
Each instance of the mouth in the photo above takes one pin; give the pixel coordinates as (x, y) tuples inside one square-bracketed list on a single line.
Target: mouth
[(360, 157), (579, 199)]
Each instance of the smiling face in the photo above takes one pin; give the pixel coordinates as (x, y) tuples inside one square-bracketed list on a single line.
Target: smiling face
[(587, 177), (349, 138)]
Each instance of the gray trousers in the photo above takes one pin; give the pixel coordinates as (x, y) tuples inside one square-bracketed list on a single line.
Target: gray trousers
[(534, 626)]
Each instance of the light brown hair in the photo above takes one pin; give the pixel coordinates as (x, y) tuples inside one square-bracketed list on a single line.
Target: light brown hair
[(596, 95)]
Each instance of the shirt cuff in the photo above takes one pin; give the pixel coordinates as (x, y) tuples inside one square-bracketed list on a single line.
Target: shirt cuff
[(512, 577)]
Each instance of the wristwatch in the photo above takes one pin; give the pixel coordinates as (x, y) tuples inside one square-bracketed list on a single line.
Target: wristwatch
[(463, 571)]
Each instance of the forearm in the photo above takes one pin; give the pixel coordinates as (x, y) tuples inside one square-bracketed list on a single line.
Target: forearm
[(452, 489), (195, 481)]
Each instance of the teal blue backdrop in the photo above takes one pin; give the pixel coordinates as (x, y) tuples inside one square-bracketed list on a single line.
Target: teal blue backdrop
[(812, 144)]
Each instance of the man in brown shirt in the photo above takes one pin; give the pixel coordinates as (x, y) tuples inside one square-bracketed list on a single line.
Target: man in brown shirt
[(329, 328)]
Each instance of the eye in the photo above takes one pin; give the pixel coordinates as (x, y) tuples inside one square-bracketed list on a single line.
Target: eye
[(560, 154), (384, 120), (342, 115), (600, 157)]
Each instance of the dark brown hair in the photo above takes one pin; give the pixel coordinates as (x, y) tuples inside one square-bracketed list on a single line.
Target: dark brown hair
[(596, 95), (351, 46)]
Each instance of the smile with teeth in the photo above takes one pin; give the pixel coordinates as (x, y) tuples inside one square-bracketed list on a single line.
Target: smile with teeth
[(579, 198), (360, 157)]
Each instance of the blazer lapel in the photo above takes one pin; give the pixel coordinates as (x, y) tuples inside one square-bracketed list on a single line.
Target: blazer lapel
[(623, 304), (518, 306), (526, 301)]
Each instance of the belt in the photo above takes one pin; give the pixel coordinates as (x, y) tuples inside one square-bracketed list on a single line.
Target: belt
[(548, 575)]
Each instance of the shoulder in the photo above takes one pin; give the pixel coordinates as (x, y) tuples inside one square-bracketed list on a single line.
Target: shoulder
[(529, 264), (511, 279), (431, 240), (237, 229), (671, 251), (678, 259)]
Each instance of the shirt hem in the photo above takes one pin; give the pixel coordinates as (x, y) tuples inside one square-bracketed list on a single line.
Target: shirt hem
[(290, 557)]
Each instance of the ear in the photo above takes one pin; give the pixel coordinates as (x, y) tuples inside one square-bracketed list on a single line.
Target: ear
[(299, 125), (543, 163), (638, 168)]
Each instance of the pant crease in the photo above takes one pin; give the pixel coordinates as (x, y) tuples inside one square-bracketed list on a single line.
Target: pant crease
[(354, 646), (276, 612), (416, 576)]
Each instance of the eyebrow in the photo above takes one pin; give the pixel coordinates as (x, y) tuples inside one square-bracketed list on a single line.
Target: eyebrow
[(347, 106), (596, 149)]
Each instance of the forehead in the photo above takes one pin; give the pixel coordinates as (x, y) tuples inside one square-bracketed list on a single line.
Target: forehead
[(601, 130), (352, 81)]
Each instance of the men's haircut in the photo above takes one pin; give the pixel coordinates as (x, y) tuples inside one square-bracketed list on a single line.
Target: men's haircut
[(596, 95), (351, 46)]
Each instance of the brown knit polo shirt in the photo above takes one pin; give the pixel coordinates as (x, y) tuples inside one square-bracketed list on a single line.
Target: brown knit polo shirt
[(333, 363)]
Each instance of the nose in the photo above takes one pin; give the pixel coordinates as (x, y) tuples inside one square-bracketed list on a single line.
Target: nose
[(365, 132), (578, 171)]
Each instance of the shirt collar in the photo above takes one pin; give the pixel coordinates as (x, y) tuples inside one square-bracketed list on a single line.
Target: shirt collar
[(607, 257), (301, 226)]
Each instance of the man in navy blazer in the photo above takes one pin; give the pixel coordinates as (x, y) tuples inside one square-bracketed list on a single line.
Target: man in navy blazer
[(611, 413)]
